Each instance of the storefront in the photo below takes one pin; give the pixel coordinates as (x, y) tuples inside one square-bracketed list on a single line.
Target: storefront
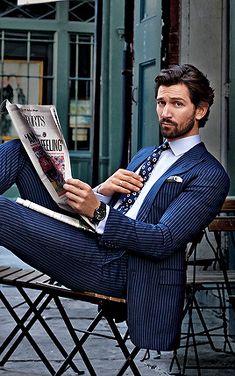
[(48, 57)]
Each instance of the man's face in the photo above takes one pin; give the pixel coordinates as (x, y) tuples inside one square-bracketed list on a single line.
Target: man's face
[(178, 116)]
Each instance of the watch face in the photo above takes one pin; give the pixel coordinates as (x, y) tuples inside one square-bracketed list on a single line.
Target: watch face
[(100, 212)]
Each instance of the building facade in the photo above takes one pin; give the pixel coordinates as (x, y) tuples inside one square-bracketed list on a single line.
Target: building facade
[(48, 56)]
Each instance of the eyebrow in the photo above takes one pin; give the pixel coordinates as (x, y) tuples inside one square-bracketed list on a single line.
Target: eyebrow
[(172, 99)]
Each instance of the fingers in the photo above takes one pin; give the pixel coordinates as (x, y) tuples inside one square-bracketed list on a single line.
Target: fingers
[(81, 197), (76, 189), (77, 183), (122, 181), (128, 181)]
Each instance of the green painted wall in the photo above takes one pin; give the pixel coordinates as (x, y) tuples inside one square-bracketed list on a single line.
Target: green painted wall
[(111, 96), (147, 48)]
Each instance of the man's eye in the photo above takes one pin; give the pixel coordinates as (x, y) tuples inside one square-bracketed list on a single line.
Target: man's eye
[(178, 104), (160, 103)]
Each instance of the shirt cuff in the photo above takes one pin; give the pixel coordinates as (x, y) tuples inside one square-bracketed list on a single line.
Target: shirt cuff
[(104, 199)]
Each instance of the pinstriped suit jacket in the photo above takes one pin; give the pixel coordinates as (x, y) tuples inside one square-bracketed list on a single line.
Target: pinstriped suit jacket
[(172, 214)]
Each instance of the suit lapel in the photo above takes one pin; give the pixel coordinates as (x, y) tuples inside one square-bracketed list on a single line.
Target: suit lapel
[(183, 164), (140, 158)]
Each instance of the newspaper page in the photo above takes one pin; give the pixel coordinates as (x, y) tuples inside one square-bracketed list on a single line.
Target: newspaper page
[(40, 132), (82, 223)]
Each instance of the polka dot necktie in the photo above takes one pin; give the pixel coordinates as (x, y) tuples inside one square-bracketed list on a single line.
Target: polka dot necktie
[(145, 172)]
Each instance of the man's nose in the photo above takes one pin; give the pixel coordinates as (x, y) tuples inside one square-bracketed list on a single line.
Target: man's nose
[(166, 111)]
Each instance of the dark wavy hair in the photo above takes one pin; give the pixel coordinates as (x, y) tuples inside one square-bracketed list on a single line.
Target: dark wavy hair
[(197, 83)]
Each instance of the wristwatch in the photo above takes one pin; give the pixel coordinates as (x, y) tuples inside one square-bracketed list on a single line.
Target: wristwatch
[(99, 213)]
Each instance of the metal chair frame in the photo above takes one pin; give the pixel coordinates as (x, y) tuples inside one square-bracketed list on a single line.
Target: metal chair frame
[(24, 280), (220, 278)]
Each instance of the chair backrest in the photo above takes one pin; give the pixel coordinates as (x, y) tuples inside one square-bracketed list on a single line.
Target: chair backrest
[(200, 267), (225, 221), (228, 205)]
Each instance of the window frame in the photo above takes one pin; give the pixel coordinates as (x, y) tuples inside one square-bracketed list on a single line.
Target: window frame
[(61, 27)]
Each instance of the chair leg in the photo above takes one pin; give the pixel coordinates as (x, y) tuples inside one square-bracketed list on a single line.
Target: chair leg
[(129, 356), (49, 331), (89, 331), (24, 333), (37, 316), (23, 319), (175, 360), (191, 333), (206, 331), (223, 308), (78, 342), (33, 314), (129, 363)]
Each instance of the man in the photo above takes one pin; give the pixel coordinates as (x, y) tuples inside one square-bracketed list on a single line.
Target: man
[(156, 208)]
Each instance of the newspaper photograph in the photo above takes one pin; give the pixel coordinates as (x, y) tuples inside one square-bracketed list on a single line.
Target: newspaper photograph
[(39, 130)]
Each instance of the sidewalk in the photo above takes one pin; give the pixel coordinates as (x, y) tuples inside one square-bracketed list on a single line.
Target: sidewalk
[(106, 357)]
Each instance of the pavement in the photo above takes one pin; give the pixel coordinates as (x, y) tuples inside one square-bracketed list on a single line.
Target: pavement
[(105, 356)]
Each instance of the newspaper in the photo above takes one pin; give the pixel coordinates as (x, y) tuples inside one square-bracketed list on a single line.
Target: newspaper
[(79, 223), (39, 130)]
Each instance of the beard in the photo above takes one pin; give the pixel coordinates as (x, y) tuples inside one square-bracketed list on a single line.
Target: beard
[(174, 132)]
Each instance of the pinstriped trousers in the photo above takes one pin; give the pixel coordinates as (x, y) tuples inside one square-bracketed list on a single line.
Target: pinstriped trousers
[(72, 257)]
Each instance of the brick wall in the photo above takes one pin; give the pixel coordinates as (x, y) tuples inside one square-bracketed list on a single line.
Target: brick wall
[(170, 32), (173, 49)]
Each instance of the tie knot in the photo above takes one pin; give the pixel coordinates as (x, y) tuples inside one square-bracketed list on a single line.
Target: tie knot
[(161, 148), (165, 146)]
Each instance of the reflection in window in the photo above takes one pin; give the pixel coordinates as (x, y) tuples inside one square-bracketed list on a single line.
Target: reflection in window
[(81, 87)]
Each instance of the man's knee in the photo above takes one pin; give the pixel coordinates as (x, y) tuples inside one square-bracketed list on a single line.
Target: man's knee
[(10, 216), (5, 205), (13, 144)]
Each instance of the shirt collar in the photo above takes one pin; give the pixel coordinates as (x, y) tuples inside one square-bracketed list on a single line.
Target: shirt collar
[(184, 144)]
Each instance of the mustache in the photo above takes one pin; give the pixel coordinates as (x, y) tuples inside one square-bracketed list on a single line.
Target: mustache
[(165, 120)]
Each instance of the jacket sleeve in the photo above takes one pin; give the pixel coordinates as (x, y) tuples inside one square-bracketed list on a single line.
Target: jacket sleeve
[(189, 213)]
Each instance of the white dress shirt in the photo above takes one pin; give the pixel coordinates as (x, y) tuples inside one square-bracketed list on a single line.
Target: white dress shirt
[(166, 160)]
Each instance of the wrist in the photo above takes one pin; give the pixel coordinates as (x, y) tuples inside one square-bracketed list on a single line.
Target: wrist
[(99, 213)]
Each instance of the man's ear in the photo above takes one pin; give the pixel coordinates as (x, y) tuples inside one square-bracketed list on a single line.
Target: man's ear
[(201, 110)]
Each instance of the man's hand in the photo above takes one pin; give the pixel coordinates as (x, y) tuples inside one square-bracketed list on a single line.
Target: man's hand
[(81, 197), (122, 181)]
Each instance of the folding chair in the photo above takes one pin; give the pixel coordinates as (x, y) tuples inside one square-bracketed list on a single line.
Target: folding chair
[(109, 308), (209, 274)]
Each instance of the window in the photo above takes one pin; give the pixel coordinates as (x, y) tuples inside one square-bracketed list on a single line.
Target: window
[(81, 90), (36, 11), (27, 61), (26, 71), (82, 10)]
